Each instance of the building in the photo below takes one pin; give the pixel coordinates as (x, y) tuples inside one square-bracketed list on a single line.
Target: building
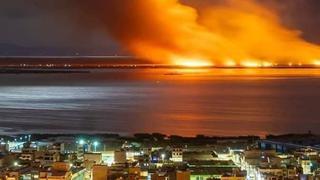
[(177, 154), (57, 148), (202, 170), (306, 165), (160, 176), (267, 164), (20, 172), (46, 158), (183, 175), (120, 157), (199, 155), (233, 177), (59, 171), (95, 158), (134, 173), (100, 172), (90, 159)]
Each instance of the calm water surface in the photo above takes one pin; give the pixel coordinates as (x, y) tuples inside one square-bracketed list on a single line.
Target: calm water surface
[(184, 102)]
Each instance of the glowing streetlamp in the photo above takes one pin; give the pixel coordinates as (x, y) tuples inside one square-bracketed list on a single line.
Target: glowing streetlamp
[(15, 163), (163, 156), (95, 144), (81, 142)]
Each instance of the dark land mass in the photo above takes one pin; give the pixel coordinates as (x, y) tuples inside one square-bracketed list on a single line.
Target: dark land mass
[(89, 60), (308, 139), (40, 71)]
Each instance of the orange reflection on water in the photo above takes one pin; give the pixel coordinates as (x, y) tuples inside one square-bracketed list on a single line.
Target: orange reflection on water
[(244, 72), (219, 101)]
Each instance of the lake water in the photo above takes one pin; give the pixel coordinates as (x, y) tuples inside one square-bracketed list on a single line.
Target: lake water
[(171, 101)]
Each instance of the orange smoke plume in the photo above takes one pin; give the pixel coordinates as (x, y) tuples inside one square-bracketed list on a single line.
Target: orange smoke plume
[(232, 33)]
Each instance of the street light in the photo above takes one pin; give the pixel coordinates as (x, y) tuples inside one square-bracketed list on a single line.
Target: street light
[(95, 144), (81, 142), (163, 156)]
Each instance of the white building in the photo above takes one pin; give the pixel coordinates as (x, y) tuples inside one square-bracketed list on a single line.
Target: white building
[(177, 154)]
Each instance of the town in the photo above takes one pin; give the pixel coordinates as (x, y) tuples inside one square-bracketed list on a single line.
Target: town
[(159, 157)]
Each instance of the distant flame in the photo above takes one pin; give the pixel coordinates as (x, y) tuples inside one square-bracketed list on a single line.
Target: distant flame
[(316, 62), (192, 62), (250, 63), (230, 63), (232, 33)]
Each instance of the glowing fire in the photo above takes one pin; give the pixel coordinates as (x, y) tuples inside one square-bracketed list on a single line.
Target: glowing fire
[(317, 62), (250, 64), (194, 62), (230, 63), (230, 33)]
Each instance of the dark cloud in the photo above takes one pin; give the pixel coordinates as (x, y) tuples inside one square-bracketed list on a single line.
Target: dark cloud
[(299, 14), (45, 27)]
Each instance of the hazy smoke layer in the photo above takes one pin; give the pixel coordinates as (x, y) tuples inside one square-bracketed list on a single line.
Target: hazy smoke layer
[(227, 33)]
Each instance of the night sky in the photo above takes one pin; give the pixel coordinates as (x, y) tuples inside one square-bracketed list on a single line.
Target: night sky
[(60, 27)]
